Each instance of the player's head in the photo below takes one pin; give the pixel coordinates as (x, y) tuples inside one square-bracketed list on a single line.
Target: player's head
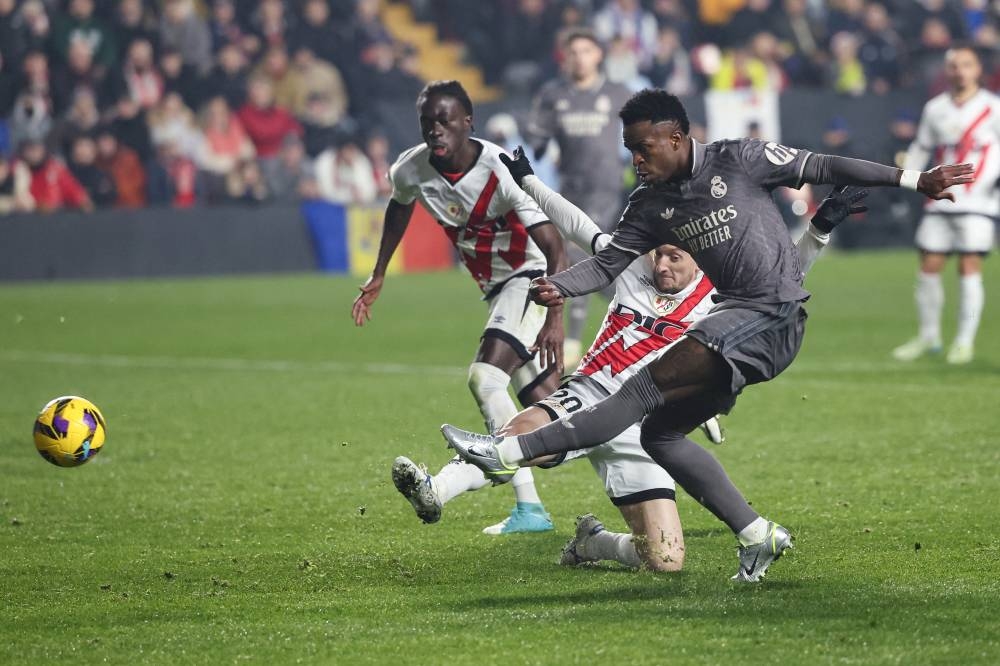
[(963, 67), (673, 269), (445, 112), (583, 53), (656, 129)]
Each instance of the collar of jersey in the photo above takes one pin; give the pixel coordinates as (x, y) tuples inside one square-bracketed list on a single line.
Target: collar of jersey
[(698, 161), (472, 166)]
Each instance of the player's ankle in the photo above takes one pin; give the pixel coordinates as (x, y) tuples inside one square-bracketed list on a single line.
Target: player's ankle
[(509, 452)]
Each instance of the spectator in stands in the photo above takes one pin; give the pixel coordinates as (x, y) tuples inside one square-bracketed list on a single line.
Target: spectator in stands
[(134, 22), (12, 41), (673, 14), (182, 29), (626, 19), (622, 66), (344, 176), (229, 76), (172, 178), (755, 17), (139, 77), (100, 186), (8, 87), (266, 123), (15, 187), (128, 122), (289, 182), (671, 66), (31, 118), (226, 29), (81, 119), (529, 43), (316, 33), (79, 72), (172, 122), (385, 79), (846, 74), (289, 88), (37, 30), (837, 138), (740, 69), (247, 185), (271, 24), (80, 25), (122, 164), (224, 147), (180, 77), (881, 49), (317, 133), (321, 77), (947, 13), (845, 16), (53, 187), (367, 28), (802, 39)]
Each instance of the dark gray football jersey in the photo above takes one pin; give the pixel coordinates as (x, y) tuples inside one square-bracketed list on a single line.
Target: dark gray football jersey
[(725, 218), (585, 125)]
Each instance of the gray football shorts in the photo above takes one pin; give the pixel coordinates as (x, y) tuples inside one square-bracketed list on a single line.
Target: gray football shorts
[(758, 341)]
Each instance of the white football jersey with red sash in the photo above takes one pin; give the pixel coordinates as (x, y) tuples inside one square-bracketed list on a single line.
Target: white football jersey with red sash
[(959, 133), (484, 213), (641, 323)]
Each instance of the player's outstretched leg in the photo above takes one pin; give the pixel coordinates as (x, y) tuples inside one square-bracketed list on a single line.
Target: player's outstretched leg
[(428, 494)]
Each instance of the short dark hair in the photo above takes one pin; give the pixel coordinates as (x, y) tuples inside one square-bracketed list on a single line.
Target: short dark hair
[(579, 32), (449, 88), (656, 106), (966, 46)]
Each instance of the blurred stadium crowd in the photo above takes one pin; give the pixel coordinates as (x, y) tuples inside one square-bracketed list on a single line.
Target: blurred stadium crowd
[(129, 103)]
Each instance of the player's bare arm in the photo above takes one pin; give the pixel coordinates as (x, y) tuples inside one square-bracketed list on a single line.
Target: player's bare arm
[(549, 343), (397, 218)]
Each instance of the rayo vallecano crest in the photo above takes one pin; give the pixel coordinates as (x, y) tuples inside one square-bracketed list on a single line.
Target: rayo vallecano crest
[(664, 305), (456, 211), (719, 187)]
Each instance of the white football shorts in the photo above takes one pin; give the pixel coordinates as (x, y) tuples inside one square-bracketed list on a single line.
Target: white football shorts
[(630, 476), (513, 318), (959, 232)]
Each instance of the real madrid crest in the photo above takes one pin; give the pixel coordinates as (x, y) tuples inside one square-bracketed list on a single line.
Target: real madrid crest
[(602, 104), (719, 187), (663, 305)]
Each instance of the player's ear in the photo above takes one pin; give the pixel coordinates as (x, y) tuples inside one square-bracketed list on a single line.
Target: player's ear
[(676, 139)]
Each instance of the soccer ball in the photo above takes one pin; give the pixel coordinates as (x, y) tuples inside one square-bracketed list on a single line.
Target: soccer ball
[(69, 431)]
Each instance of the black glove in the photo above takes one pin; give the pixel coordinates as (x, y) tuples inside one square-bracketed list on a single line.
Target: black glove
[(519, 167), (840, 203)]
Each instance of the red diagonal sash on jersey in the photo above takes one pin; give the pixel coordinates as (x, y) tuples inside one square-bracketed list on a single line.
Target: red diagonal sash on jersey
[(965, 143), (609, 351), (480, 264), (515, 252)]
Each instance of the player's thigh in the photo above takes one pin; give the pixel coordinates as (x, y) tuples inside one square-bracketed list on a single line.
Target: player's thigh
[(512, 327), (688, 367), (532, 382), (657, 533)]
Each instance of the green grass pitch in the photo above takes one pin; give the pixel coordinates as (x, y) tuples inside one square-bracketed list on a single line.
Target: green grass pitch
[(242, 509)]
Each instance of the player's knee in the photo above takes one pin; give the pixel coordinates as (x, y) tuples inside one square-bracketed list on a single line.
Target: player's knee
[(486, 379)]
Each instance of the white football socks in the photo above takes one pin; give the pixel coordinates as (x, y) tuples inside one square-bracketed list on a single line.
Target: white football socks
[(456, 478), (510, 451), (970, 308), (524, 486), (488, 384), (753, 533), (929, 295), (615, 546)]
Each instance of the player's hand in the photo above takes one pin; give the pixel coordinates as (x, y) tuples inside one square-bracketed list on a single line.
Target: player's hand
[(545, 293), (549, 344), (933, 183), (841, 202), (362, 312), (519, 167)]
